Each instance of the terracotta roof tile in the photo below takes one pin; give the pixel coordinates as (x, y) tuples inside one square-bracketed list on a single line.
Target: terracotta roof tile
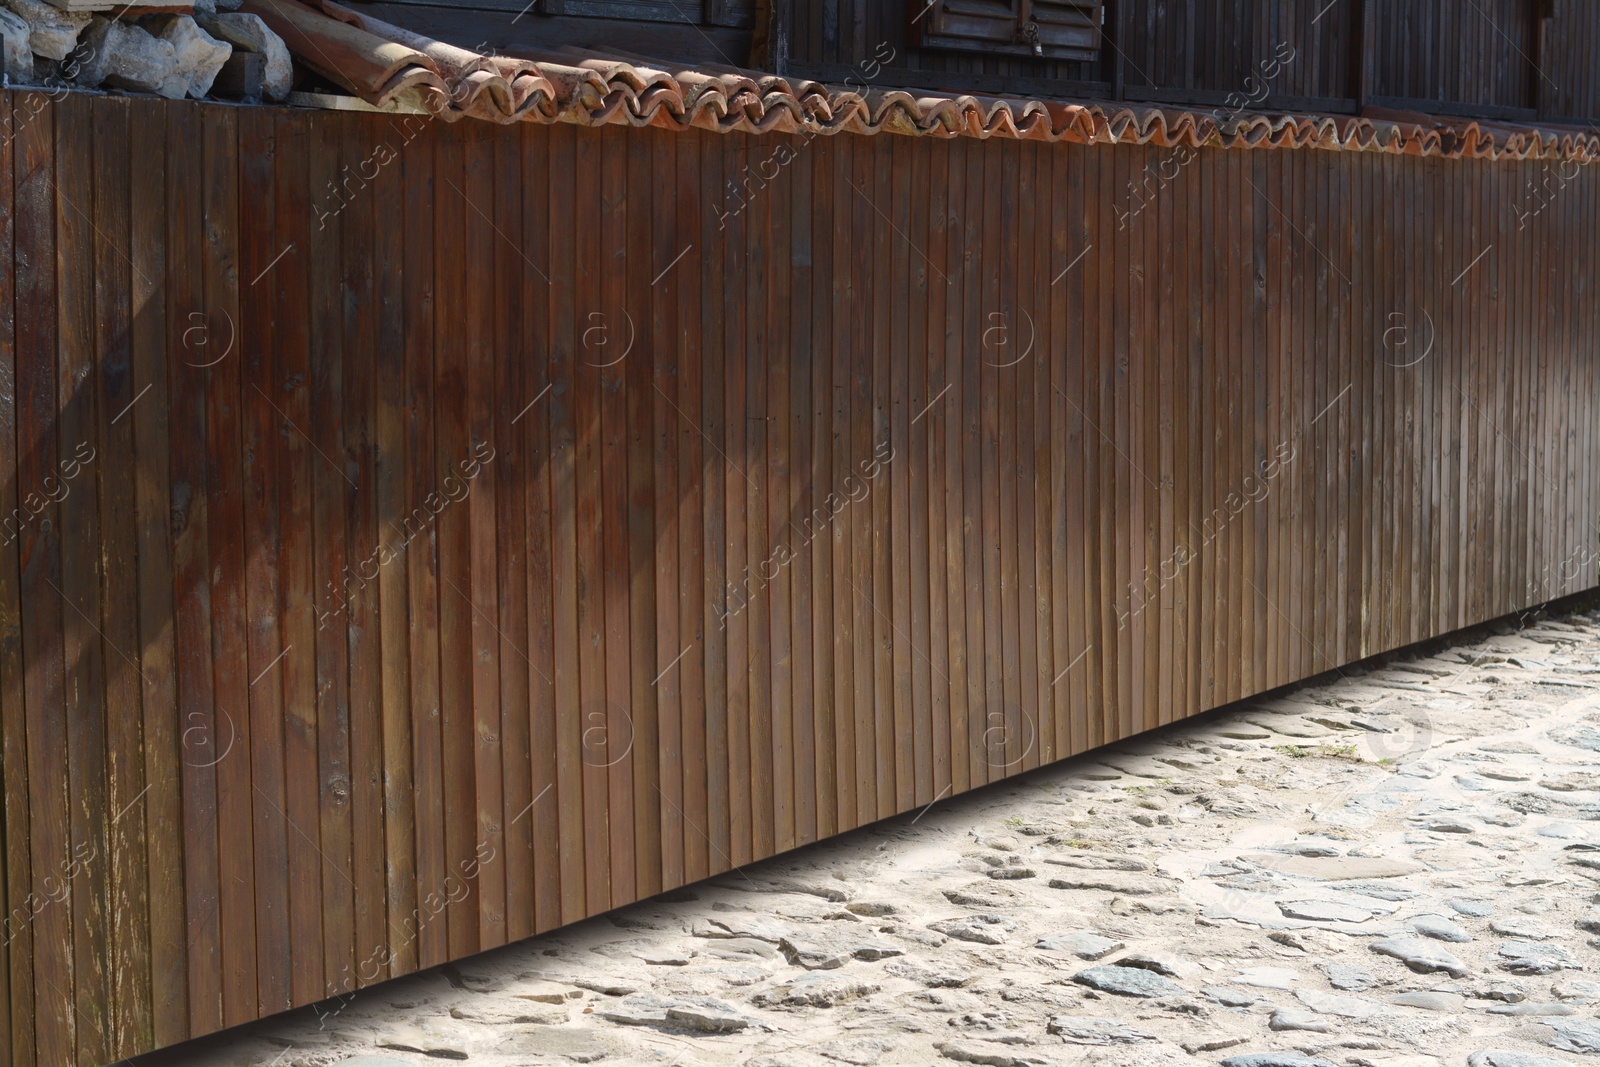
[(381, 63)]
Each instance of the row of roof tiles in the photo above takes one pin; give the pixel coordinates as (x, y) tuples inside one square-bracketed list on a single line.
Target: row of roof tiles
[(385, 64)]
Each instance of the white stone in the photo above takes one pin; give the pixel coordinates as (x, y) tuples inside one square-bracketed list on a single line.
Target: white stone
[(249, 33), (52, 33), (199, 55), (16, 54), (124, 56)]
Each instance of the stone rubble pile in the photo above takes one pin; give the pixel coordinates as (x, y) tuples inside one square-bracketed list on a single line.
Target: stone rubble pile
[(1397, 869), (173, 55)]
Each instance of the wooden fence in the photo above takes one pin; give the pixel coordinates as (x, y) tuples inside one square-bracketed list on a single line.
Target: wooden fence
[(417, 537)]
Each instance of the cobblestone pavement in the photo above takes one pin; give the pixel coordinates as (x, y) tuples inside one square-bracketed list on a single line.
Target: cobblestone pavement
[(1397, 868)]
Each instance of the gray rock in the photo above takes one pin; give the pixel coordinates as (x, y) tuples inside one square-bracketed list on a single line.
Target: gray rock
[(1229, 997), (821, 951), (1526, 957), (1347, 976), (1579, 989), (1098, 861), (703, 1014), (1476, 909), (1112, 882), (198, 55), (16, 54), (981, 895), (940, 975), (1295, 1019), (126, 57), (52, 32), (707, 1016), (979, 929), (249, 33), (1420, 956), (812, 990), (535, 1044), (1529, 1008), (1439, 928), (1379, 890), (544, 992), (735, 925), (1526, 929), (1075, 1030), (1574, 1035), (1334, 1004), (1082, 944), (1274, 1059), (1429, 1000), (1128, 982), (1495, 1057), (1578, 737), (1449, 825), (991, 1054), (1330, 911)]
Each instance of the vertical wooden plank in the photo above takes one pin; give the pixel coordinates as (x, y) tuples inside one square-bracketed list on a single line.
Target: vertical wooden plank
[(863, 621), (391, 544), (485, 220), (458, 232), (16, 939), (594, 712), (532, 427), (1000, 726), (287, 401), (845, 206), (39, 561), (712, 426), (953, 427), (84, 699), (778, 567), (824, 212), (129, 957), (331, 487), (895, 481), (668, 641), (204, 733), (644, 767), (571, 508), (693, 223), (750, 408), (425, 927), (358, 325), (225, 527), (162, 807), (932, 411), (801, 528), (878, 583), (609, 285), (507, 466), (259, 473), (914, 431)]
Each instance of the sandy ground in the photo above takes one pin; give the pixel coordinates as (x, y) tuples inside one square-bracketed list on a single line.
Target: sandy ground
[(1394, 868)]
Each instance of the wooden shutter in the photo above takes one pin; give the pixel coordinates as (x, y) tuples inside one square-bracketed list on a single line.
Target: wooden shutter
[(1049, 29), (1068, 24), (650, 10)]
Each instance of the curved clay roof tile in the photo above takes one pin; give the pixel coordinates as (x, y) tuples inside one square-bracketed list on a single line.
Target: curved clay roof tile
[(377, 61)]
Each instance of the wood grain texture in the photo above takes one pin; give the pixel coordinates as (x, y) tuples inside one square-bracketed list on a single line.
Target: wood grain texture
[(546, 540)]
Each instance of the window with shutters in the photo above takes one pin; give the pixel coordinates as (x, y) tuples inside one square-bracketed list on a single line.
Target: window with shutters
[(741, 13), (1049, 29)]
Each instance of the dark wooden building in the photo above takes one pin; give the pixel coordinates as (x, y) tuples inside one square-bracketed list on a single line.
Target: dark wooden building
[(422, 530)]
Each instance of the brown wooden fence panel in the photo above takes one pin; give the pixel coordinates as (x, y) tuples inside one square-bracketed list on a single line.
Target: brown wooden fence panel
[(417, 537)]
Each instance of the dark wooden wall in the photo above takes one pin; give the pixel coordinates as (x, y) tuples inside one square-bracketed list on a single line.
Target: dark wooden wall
[(384, 621)]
